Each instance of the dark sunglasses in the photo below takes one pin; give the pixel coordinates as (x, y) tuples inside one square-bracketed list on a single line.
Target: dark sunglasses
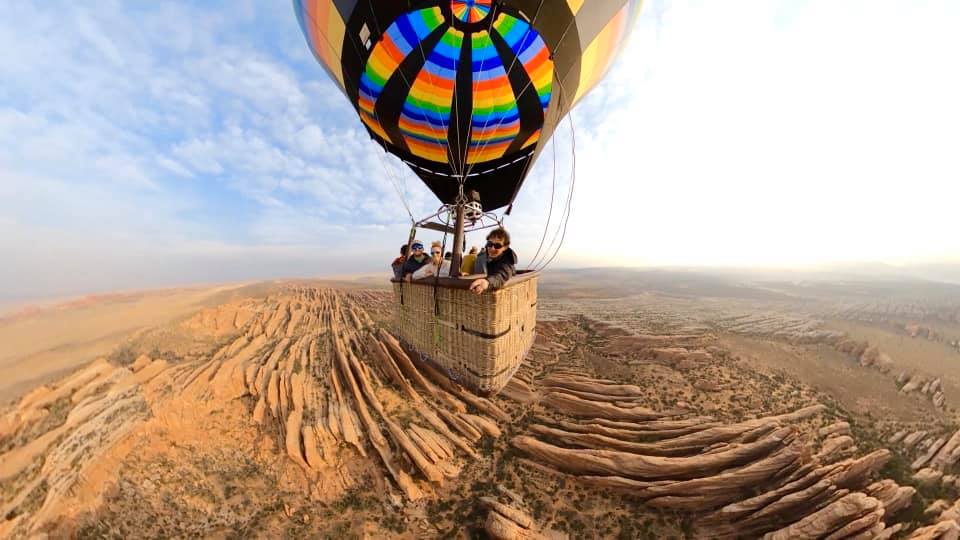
[(494, 245)]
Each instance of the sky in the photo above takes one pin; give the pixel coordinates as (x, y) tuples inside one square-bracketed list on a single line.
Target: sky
[(147, 144)]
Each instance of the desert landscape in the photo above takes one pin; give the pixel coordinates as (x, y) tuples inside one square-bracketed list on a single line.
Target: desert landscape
[(654, 404)]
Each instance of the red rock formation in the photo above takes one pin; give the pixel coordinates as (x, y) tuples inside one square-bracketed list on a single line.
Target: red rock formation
[(893, 496), (313, 369), (848, 516)]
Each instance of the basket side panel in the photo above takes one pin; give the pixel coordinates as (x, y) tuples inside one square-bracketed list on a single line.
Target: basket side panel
[(479, 340)]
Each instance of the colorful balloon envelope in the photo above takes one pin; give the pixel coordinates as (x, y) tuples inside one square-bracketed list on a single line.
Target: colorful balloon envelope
[(466, 90)]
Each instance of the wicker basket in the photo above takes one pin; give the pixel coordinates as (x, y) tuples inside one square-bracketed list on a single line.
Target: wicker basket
[(478, 340)]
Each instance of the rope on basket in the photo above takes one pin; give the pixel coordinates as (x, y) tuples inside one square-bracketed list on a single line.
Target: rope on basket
[(436, 285), (413, 234)]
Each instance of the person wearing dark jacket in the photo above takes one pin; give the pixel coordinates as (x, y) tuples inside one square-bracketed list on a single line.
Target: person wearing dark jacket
[(397, 264), (500, 263), (416, 260)]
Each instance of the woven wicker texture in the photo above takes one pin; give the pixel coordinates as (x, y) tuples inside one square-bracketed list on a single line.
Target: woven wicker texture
[(479, 341)]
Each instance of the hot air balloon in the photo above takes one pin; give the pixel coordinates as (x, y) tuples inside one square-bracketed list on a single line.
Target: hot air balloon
[(466, 93)]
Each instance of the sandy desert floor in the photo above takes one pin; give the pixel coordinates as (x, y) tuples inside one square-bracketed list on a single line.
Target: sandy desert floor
[(42, 343), (653, 405)]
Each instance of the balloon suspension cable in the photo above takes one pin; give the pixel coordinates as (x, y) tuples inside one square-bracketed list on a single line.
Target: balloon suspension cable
[(436, 276), (487, 219), (553, 188), (476, 84), (573, 181), (436, 109), (457, 168), (396, 185), (446, 213), (513, 64), (349, 79)]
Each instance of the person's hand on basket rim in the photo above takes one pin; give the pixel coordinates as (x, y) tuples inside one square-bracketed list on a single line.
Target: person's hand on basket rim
[(479, 285)]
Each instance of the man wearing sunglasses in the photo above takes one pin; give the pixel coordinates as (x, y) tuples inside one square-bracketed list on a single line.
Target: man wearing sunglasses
[(416, 260), (499, 262)]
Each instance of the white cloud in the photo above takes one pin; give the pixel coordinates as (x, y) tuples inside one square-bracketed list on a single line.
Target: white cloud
[(828, 137), (91, 32), (739, 133), (200, 155), (174, 167)]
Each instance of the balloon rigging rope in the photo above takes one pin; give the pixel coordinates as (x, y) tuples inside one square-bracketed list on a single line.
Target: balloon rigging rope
[(402, 76), (573, 182), (546, 228), (426, 117), (390, 174), (565, 217), (466, 172), (346, 75), (553, 188), (513, 64), (457, 168), (394, 180), (436, 277), (466, 148)]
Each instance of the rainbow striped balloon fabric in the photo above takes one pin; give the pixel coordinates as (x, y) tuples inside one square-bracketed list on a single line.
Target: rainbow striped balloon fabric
[(470, 11), (465, 90)]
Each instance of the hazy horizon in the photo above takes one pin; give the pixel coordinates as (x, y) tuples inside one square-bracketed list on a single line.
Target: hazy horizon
[(157, 146), (946, 273)]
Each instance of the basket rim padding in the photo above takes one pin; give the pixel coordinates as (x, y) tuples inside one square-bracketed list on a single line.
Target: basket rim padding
[(463, 282)]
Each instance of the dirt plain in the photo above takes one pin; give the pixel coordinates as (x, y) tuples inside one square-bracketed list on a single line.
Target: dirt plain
[(653, 405)]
